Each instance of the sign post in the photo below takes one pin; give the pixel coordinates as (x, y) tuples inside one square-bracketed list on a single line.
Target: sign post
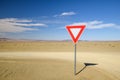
[(75, 61), (75, 32)]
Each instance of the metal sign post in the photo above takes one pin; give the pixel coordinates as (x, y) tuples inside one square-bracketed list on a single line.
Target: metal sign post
[(75, 60)]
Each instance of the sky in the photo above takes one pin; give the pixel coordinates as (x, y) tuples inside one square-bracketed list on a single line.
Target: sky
[(47, 19)]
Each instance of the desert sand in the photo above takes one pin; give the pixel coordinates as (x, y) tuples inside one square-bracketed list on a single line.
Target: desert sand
[(54, 61)]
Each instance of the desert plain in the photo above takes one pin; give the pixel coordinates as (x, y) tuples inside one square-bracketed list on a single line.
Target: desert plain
[(54, 60)]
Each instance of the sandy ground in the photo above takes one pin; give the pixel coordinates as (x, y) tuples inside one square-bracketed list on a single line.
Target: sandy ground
[(41, 60), (83, 46), (58, 66)]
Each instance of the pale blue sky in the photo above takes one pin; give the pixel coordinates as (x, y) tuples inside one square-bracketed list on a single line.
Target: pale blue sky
[(46, 19)]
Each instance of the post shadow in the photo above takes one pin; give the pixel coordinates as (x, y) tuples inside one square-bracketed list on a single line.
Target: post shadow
[(85, 65)]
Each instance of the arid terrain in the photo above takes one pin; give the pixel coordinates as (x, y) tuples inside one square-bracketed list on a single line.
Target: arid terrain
[(59, 46), (54, 60)]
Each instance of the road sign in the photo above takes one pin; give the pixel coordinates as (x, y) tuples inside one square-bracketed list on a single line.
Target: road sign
[(75, 32)]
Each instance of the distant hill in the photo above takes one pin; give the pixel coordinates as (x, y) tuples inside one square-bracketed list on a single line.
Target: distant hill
[(9, 39), (5, 39)]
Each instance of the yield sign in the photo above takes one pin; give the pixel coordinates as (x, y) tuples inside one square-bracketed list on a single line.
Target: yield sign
[(75, 32)]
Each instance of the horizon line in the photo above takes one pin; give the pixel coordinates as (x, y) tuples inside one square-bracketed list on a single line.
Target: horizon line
[(12, 39)]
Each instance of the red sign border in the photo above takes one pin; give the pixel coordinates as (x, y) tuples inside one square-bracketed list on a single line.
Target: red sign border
[(71, 34)]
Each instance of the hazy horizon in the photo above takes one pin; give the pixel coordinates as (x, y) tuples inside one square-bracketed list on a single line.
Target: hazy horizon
[(2, 39)]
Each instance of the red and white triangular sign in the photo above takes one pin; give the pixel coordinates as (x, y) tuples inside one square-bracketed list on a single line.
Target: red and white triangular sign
[(75, 32)]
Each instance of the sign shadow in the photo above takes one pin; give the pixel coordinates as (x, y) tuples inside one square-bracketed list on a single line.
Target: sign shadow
[(86, 64)]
